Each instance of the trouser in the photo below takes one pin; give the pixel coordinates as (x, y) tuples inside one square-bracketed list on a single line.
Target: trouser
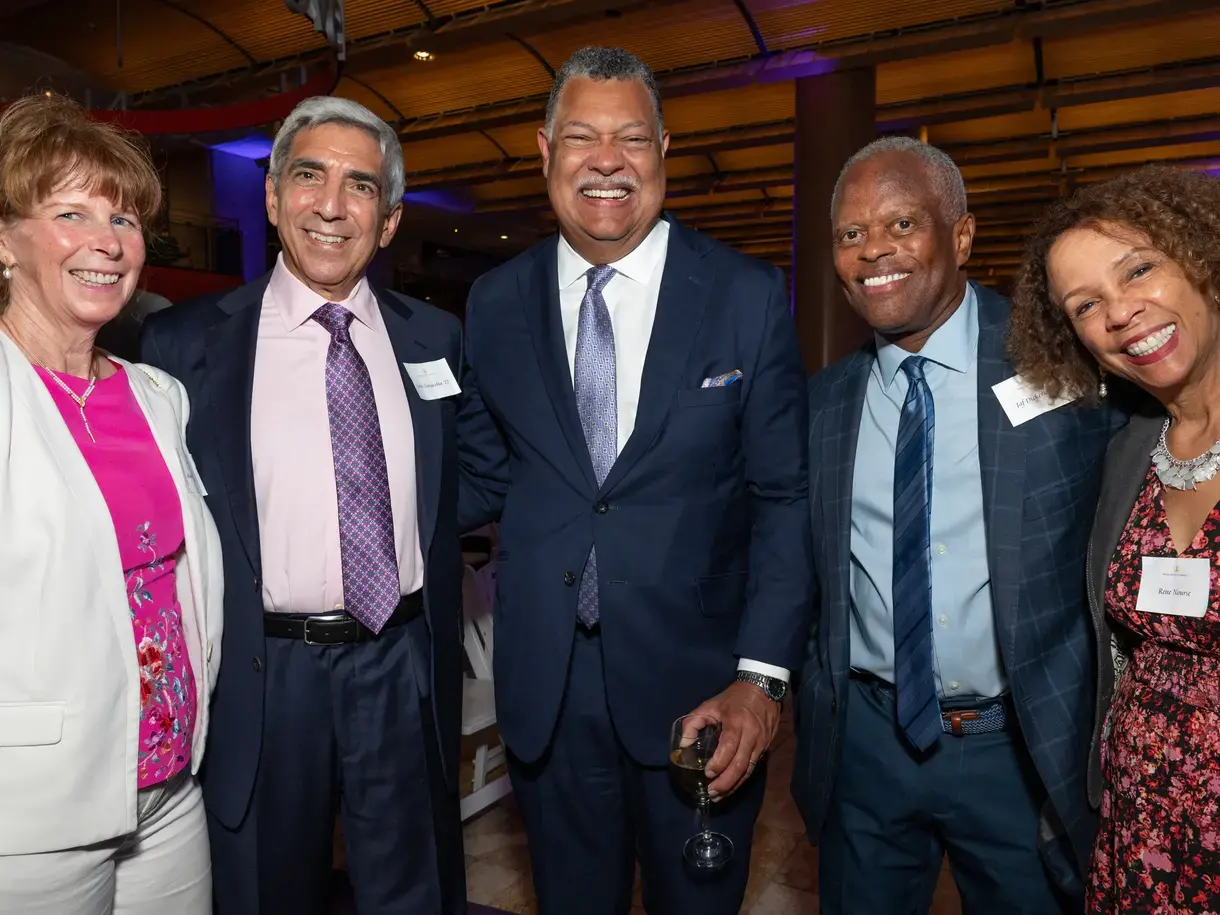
[(163, 867), (591, 812), (894, 814)]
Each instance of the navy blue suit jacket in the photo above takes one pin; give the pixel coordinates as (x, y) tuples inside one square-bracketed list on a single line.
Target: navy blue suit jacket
[(1040, 486), (702, 526), (208, 345)]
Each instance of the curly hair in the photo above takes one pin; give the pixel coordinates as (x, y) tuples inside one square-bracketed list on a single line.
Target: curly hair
[(1179, 213)]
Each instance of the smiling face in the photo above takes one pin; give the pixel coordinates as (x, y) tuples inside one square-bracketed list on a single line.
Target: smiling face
[(75, 258), (329, 208), (898, 258), (1134, 308), (605, 166)]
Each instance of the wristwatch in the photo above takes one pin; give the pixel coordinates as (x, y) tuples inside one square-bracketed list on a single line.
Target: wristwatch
[(774, 688)]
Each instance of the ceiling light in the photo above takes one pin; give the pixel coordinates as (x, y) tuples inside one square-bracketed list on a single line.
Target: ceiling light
[(503, 238), (421, 54)]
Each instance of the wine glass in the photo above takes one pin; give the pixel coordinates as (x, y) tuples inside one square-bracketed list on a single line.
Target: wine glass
[(693, 739)]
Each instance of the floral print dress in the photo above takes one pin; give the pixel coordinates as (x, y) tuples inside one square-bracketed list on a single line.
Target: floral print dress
[(147, 514), (1158, 847)]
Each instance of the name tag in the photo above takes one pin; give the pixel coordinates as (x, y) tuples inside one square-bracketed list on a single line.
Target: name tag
[(1022, 402), (1169, 584), (432, 380)]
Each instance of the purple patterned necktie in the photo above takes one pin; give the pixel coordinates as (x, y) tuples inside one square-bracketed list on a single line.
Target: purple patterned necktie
[(366, 525), (596, 387)]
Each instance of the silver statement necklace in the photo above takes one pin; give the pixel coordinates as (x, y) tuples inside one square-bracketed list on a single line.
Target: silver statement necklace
[(1184, 474)]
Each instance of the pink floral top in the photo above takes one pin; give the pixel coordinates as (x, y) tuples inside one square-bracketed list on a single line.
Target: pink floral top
[(147, 515)]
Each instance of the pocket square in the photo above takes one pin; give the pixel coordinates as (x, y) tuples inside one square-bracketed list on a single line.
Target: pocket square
[(721, 381)]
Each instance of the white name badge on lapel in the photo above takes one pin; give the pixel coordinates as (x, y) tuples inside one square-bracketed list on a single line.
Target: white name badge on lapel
[(1022, 402), (432, 380), (1171, 584)]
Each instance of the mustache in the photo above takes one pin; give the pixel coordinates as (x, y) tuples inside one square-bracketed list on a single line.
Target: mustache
[(608, 181)]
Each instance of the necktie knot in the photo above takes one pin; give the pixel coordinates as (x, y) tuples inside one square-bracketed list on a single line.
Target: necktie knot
[(599, 276), (335, 318), (913, 367)]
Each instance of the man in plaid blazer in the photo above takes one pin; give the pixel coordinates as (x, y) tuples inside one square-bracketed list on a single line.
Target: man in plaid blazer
[(947, 697)]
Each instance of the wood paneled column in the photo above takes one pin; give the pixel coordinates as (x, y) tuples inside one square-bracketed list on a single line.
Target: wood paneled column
[(835, 116)]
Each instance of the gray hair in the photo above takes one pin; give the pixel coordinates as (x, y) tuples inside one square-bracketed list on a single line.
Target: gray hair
[(947, 180), (326, 109), (599, 63)]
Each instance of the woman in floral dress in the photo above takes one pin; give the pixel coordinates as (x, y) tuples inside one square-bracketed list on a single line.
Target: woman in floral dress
[(1121, 284)]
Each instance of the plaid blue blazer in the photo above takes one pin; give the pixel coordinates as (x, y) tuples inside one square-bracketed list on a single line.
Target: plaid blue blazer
[(1040, 488)]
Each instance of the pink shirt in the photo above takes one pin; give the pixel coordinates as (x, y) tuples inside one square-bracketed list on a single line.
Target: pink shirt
[(147, 516), (294, 471)]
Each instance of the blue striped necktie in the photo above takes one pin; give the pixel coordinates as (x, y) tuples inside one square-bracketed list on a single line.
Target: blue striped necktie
[(914, 680)]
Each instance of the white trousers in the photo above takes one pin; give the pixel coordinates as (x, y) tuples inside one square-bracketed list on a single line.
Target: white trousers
[(163, 868)]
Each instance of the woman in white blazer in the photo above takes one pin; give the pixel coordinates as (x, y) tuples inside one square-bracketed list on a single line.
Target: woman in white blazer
[(110, 568)]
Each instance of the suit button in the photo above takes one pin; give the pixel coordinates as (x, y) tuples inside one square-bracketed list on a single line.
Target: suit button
[(834, 705), (601, 507), (569, 578), (258, 664)]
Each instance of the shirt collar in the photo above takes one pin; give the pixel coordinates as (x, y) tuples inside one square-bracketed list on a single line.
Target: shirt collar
[(640, 264), (296, 302), (952, 345)]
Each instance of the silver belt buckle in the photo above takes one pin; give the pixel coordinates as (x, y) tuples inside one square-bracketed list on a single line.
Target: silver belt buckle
[(327, 617)]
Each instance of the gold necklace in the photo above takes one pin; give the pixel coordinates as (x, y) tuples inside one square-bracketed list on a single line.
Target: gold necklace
[(79, 400)]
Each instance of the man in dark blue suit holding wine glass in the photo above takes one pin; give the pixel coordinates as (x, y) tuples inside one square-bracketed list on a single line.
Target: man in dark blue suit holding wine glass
[(635, 416)]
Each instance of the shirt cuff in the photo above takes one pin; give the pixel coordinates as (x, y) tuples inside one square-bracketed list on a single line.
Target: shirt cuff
[(767, 670)]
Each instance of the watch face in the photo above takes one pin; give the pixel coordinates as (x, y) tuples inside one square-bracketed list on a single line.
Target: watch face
[(776, 689)]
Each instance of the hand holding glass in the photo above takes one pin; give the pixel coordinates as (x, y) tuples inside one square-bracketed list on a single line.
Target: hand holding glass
[(693, 740)]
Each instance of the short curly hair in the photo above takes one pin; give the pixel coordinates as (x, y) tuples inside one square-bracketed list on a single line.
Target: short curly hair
[(1179, 213)]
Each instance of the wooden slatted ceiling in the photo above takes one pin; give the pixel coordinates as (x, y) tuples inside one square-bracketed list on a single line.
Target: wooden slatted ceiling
[(666, 37), (791, 23), (444, 152), (1140, 156), (461, 79), (947, 74), (1025, 123), (720, 110), (1176, 39), (519, 140), (1139, 110)]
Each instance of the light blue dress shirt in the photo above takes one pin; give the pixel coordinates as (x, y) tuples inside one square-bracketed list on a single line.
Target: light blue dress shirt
[(965, 647)]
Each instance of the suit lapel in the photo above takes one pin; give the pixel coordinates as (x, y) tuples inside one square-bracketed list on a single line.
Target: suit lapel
[(1002, 463), (425, 414), (686, 286), (1126, 466), (540, 295), (837, 452), (229, 354)]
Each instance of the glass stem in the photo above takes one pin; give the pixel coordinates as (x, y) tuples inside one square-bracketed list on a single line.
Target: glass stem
[(704, 803)]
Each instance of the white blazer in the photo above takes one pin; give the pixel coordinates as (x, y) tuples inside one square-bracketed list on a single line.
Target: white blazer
[(69, 678)]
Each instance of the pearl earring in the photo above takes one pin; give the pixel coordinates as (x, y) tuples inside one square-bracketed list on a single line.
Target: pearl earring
[(1102, 390), (7, 272)]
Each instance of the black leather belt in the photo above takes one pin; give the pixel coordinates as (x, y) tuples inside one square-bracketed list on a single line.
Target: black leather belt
[(338, 628)]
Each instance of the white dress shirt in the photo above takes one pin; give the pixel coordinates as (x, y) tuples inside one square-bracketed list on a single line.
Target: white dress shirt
[(631, 298), (294, 468)]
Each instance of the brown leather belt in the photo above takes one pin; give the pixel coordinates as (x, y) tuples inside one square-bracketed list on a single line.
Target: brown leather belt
[(339, 628)]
